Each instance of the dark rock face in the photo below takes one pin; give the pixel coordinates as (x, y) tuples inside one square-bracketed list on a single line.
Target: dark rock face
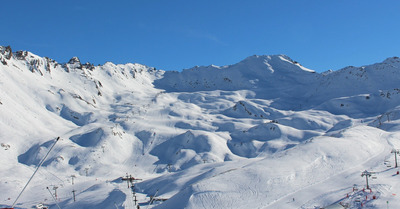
[(75, 63), (8, 52), (88, 66), (21, 55), (74, 60), (5, 54)]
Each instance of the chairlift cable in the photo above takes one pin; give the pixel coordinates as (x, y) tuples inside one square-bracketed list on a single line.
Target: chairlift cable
[(53, 197), (40, 164)]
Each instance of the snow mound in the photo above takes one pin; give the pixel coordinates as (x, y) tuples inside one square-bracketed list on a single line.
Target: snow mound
[(79, 119), (90, 139), (188, 149), (245, 109)]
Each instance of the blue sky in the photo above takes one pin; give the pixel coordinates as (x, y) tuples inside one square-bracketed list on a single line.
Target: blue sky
[(177, 34)]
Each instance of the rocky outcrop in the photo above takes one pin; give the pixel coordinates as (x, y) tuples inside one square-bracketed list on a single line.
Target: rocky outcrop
[(5, 54)]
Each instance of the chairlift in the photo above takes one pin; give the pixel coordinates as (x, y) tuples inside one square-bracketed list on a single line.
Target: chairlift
[(374, 177), (41, 206)]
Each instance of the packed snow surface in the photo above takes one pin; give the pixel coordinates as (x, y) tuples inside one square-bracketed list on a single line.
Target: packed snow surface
[(263, 133)]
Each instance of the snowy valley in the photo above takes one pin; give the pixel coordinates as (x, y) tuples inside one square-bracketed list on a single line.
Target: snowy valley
[(263, 133)]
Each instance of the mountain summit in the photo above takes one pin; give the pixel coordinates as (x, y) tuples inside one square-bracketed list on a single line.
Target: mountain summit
[(254, 72)]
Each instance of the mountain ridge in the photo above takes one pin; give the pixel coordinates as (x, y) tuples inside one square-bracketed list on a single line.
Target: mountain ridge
[(236, 127)]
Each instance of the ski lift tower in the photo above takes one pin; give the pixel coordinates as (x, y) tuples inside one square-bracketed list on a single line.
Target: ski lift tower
[(395, 151), (367, 174), (131, 184)]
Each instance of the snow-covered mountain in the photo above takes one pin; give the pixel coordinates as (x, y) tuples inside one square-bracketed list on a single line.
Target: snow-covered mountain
[(263, 133)]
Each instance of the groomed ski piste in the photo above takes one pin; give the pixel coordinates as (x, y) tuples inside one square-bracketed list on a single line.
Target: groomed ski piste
[(263, 133)]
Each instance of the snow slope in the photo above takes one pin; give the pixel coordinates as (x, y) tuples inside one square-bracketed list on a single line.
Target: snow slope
[(263, 133)]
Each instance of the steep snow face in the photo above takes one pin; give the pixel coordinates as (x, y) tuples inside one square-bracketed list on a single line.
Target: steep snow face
[(256, 134)]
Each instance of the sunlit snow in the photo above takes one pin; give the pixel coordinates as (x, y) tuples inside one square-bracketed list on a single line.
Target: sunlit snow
[(263, 133)]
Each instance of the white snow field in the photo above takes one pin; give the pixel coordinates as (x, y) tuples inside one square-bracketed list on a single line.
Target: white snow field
[(263, 133)]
